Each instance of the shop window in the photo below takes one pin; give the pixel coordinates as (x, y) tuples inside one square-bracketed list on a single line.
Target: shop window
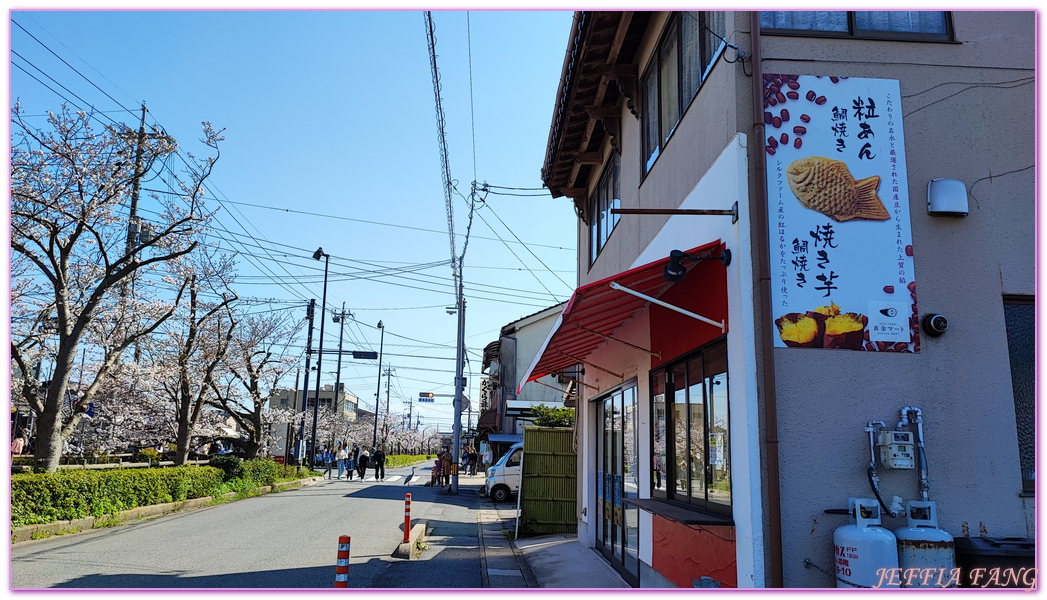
[(682, 61), (916, 25), (606, 197), (691, 431), (1020, 317)]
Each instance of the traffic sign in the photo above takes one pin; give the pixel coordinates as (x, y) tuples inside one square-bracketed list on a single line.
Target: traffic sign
[(364, 354)]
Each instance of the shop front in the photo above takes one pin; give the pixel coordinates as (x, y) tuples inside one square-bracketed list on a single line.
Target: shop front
[(657, 485)]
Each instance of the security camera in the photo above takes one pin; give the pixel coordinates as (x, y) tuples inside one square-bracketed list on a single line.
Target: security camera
[(934, 324)]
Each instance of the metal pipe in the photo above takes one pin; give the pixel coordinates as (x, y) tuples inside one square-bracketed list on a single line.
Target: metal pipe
[(874, 477), (758, 199), (921, 451)]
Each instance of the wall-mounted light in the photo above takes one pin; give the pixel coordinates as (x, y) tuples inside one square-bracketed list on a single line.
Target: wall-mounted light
[(675, 271), (946, 198)]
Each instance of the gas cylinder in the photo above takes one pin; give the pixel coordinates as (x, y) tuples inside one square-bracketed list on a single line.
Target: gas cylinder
[(926, 554), (866, 553)]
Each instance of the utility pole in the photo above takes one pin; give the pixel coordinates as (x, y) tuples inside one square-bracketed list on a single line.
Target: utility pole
[(388, 377), (294, 402), (340, 319), (136, 186), (305, 389), (459, 387)]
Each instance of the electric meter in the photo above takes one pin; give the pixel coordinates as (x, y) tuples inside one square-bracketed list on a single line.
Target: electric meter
[(896, 450)]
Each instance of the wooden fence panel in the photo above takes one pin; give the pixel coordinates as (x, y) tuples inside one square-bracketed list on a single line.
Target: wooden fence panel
[(549, 482)]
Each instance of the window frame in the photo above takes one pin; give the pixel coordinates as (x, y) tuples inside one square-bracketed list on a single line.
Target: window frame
[(668, 473), (653, 116), (1024, 449), (606, 196), (854, 33)]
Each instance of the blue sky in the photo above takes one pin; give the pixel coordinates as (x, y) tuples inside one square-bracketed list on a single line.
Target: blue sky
[(332, 113)]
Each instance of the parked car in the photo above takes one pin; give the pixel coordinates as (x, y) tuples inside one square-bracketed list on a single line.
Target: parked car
[(503, 479)]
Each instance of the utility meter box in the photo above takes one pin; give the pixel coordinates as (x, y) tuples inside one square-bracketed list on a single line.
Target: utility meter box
[(896, 450)]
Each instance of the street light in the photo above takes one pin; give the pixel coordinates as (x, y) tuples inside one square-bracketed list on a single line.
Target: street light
[(378, 391), (319, 357)]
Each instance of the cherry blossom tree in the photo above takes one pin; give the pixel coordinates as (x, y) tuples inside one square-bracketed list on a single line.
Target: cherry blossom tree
[(77, 271), (260, 354), (192, 348)]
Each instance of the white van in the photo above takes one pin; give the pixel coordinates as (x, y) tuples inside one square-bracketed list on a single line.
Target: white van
[(503, 479)]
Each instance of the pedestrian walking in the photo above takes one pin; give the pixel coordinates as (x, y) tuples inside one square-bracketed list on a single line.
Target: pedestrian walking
[(378, 459), (353, 461), (488, 458), (341, 456), (328, 462), (471, 461), (361, 465)]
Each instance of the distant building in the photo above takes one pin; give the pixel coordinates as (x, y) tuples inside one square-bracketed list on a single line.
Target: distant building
[(504, 411), (343, 401)]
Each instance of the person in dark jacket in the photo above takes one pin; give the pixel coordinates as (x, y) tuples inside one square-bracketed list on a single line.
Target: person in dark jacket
[(378, 459)]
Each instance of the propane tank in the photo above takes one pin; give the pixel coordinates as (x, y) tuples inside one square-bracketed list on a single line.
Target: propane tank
[(926, 554), (866, 553)]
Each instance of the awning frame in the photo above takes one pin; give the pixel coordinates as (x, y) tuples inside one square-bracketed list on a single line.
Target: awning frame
[(682, 311)]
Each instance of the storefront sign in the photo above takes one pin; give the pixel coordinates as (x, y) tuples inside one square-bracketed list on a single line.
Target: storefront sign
[(840, 237)]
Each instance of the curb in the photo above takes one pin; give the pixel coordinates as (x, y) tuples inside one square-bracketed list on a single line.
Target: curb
[(26, 533), (409, 550)]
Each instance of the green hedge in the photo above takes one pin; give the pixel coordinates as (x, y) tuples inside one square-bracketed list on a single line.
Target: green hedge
[(405, 460), (65, 495)]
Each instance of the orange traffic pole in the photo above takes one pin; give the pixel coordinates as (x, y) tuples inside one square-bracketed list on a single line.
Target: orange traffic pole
[(341, 568), (407, 518)]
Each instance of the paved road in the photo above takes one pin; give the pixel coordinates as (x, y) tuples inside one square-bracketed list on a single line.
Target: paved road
[(283, 540)]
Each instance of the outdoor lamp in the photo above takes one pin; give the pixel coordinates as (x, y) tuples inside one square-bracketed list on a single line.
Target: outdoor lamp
[(675, 270)]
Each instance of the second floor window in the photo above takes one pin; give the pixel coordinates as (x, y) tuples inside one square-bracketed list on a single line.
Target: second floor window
[(918, 25), (679, 65), (606, 197)]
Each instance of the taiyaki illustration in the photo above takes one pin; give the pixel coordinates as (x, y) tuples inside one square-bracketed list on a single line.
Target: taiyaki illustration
[(825, 185)]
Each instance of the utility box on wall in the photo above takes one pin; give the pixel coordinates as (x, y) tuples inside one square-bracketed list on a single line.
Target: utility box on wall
[(549, 482)]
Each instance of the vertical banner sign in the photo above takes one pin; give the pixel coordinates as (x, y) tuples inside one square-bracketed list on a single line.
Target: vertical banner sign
[(841, 242)]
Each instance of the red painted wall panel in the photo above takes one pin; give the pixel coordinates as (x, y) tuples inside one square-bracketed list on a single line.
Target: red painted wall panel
[(683, 553)]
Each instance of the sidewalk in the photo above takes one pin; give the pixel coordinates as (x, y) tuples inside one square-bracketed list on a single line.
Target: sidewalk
[(551, 561)]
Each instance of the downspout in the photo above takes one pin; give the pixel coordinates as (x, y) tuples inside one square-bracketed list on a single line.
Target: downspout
[(770, 442)]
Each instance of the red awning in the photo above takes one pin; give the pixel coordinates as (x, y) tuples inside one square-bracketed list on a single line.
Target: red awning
[(596, 310)]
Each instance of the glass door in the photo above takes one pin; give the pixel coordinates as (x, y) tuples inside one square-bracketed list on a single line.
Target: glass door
[(617, 534)]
